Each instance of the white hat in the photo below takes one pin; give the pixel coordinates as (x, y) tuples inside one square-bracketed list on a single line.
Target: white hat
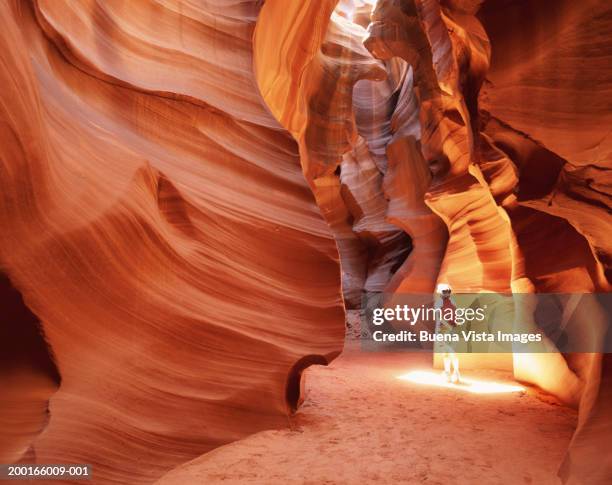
[(443, 287)]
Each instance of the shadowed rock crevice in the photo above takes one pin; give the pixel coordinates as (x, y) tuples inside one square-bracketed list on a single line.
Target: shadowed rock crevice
[(22, 342), (28, 375), (294, 393)]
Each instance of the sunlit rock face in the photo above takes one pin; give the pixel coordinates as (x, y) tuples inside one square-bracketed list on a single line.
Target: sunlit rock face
[(155, 219), (194, 191), (546, 105), (488, 140)]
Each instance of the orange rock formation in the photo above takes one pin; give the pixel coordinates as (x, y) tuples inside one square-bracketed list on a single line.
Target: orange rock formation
[(182, 182), (155, 219)]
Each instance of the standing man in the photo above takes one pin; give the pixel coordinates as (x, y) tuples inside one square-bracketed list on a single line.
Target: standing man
[(446, 324)]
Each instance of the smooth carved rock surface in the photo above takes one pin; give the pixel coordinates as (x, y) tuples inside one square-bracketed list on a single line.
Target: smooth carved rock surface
[(183, 183), (155, 219), (492, 198)]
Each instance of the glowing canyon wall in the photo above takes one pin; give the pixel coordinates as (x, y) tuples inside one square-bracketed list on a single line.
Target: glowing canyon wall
[(483, 143), (156, 221), (194, 191)]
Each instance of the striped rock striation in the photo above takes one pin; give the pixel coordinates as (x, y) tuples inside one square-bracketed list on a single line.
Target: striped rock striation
[(445, 147), (156, 222), (195, 192)]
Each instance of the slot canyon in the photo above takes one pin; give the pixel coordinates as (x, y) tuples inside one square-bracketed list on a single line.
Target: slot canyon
[(200, 197)]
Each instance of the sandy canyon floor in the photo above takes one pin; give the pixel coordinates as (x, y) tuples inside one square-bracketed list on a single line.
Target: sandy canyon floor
[(361, 423)]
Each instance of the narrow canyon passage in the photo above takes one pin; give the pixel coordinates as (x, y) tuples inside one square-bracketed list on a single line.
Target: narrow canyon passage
[(361, 423), (199, 196)]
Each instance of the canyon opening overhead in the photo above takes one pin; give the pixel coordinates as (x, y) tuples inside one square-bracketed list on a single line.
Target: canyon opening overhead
[(306, 241)]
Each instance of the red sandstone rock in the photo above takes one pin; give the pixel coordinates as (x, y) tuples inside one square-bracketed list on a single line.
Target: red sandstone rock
[(155, 219), (182, 184)]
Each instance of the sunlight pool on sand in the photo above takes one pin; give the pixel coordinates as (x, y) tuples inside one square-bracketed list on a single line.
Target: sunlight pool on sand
[(467, 384)]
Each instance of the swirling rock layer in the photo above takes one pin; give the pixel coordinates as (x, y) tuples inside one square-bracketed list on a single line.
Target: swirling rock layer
[(179, 236), (156, 221), (491, 151)]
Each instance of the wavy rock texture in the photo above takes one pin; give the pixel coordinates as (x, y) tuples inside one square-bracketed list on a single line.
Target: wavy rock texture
[(494, 196), (547, 106), (550, 86), (312, 94), (154, 204), (155, 219)]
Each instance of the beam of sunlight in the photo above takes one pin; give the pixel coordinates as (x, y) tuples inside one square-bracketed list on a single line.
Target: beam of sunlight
[(466, 384)]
